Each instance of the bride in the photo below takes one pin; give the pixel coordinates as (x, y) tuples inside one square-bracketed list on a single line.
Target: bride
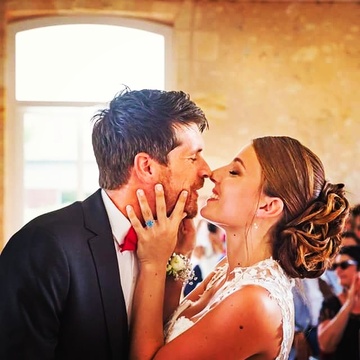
[(282, 221)]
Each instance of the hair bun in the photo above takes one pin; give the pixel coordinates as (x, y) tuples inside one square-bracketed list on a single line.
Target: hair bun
[(329, 189), (313, 238)]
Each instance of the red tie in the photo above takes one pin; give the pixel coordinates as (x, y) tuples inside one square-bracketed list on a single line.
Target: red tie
[(130, 241)]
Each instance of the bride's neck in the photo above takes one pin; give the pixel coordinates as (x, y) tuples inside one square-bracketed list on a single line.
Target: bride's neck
[(247, 250)]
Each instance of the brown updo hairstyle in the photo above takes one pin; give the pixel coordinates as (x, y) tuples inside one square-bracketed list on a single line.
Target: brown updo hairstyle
[(307, 237)]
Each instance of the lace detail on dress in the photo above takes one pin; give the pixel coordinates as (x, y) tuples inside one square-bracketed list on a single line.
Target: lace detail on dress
[(177, 325), (268, 274)]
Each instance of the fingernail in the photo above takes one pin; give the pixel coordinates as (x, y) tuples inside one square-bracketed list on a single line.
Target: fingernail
[(184, 193), (140, 192), (158, 187), (128, 208)]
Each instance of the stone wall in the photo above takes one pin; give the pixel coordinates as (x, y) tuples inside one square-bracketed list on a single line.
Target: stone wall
[(256, 68)]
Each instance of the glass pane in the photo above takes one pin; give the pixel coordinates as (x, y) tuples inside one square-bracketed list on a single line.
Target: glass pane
[(86, 62), (59, 165)]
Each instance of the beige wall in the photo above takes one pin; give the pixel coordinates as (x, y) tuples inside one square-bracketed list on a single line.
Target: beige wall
[(256, 68), (2, 115)]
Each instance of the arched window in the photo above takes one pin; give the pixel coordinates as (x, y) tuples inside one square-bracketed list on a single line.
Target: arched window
[(60, 72)]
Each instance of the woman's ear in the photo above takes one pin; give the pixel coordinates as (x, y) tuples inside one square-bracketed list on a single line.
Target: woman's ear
[(144, 166), (270, 207)]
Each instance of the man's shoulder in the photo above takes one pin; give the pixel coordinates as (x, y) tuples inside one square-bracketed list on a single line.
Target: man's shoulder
[(70, 212), (66, 220)]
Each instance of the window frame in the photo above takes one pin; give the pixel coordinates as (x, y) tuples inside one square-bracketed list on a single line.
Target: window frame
[(14, 136)]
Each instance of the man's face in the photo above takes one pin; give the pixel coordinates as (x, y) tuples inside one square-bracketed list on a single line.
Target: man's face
[(186, 169)]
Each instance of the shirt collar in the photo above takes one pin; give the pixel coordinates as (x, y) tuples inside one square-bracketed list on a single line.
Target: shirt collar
[(120, 225)]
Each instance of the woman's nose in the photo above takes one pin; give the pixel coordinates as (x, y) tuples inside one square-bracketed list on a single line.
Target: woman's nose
[(215, 175)]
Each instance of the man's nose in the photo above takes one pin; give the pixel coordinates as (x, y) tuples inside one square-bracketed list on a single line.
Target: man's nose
[(205, 170)]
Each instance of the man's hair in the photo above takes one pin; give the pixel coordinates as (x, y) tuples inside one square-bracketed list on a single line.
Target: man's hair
[(140, 121)]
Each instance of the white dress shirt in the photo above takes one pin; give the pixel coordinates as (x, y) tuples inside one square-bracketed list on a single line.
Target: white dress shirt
[(128, 265)]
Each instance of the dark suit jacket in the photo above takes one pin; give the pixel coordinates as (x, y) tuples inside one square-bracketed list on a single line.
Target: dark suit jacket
[(60, 291)]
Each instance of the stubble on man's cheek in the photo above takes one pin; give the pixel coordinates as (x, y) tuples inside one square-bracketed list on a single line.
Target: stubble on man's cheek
[(191, 207)]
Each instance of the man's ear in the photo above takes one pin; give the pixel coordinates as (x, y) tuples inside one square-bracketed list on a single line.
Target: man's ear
[(144, 166), (270, 207)]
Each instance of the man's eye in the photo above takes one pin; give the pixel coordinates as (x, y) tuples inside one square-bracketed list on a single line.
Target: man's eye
[(193, 159)]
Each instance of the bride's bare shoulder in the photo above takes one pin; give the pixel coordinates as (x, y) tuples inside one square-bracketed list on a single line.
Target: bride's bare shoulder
[(246, 323)]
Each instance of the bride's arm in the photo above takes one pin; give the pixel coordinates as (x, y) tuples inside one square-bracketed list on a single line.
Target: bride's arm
[(146, 329), (155, 245), (173, 290), (246, 323), (185, 245)]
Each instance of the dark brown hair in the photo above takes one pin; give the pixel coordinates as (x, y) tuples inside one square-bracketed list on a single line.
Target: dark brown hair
[(307, 237), (140, 121)]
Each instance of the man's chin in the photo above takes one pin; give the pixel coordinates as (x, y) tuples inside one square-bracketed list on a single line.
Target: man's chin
[(191, 212)]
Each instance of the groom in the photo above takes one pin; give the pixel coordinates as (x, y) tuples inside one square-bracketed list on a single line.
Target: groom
[(66, 284)]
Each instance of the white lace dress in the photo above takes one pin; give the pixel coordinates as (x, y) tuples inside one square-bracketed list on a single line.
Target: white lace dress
[(268, 274)]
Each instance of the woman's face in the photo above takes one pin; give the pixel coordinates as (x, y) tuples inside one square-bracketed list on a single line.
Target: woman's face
[(236, 193), (345, 269)]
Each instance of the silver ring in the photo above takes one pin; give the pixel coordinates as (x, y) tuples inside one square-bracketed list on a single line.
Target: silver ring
[(149, 223)]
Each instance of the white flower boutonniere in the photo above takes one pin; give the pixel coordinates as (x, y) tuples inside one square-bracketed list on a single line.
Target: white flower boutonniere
[(179, 266)]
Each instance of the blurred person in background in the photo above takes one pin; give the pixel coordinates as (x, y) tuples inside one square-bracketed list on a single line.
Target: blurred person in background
[(309, 295), (214, 248), (348, 238), (206, 255), (355, 219), (339, 321)]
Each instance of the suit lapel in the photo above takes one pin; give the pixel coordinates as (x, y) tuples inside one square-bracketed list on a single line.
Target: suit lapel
[(103, 250)]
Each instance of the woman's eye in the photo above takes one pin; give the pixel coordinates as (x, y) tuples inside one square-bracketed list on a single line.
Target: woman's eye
[(233, 172)]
